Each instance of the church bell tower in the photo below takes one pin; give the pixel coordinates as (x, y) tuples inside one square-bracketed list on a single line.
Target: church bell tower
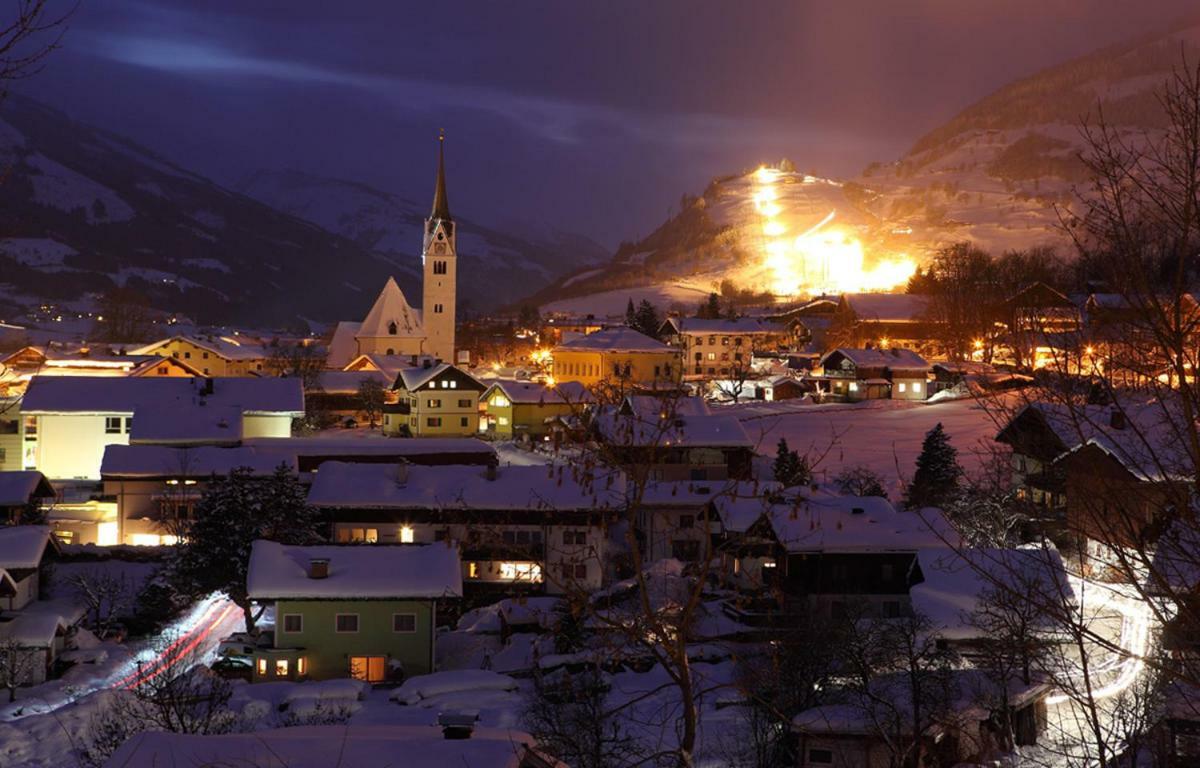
[(439, 256)]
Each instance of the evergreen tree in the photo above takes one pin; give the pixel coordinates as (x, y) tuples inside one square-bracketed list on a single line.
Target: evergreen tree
[(790, 468), (935, 482), (630, 315), (232, 513), (710, 309), (646, 319)]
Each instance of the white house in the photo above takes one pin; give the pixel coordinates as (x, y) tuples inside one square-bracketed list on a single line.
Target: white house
[(68, 421)]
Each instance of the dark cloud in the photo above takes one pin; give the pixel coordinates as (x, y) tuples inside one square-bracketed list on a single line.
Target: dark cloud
[(592, 117)]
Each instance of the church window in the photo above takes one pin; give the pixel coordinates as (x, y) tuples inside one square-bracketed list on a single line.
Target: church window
[(439, 267), (392, 329), (437, 309), (390, 351)]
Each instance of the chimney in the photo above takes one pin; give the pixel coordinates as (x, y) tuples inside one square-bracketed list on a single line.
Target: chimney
[(428, 363), (402, 473), (491, 472), (414, 361), (318, 568), (458, 723), (1116, 418)]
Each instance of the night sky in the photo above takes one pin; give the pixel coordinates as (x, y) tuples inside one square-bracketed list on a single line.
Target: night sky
[(593, 118)]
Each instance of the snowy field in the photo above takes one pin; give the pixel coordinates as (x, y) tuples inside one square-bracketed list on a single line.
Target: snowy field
[(614, 303), (883, 435)]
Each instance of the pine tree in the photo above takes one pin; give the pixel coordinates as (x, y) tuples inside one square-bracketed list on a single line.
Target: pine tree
[(646, 319), (790, 468), (630, 315), (935, 482), (233, 512), (710, 309)]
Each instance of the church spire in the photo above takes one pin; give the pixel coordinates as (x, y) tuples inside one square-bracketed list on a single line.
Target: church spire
[(441, 206)]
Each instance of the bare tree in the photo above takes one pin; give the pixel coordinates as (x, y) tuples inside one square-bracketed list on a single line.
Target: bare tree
[(107, 596), (27, 39), (371, 398), (18, 664)]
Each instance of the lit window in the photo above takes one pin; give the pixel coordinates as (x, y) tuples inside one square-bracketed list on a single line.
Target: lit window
[(916, 387), (472, 570), (903, 387), (406, 535), (301, 666), (854, 386), (262, 667), (503, 421), (521, 571), (454, 385), (281, 667)]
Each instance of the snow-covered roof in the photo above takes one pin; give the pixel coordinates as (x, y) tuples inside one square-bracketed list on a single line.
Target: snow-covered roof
[(959, 582), (18, 487), (152, 461), (742, 325), (22, 546), (166, 422), (337, 445), (888, 307), (379, 571), (343, 347), (698, 431), (348, 382), (532, 392), (821, 521), (417, 377), (650, 406), (894, 358), (619, 339), (37, 625), (226, 347), (84, 395), (390, 310), (320, 746), (392, 486)]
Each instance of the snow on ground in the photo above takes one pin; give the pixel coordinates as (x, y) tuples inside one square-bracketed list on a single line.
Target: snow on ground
[(883, 435), (36, 251), (57, 186), (613, 303)]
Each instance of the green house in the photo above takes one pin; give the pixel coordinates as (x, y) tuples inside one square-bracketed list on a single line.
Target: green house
[(351, 611)]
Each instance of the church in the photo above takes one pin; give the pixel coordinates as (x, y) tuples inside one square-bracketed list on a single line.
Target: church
[(392, 327)]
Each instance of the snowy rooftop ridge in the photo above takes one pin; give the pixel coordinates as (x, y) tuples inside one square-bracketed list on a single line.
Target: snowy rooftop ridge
[(391, 315), (821, 521), (17, 488), (90, 394), (533, 392), (619, 339), (22, 546), (895, 358), (280, 572)]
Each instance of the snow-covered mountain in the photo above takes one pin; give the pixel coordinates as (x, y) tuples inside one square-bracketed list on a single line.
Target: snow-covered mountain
[(991, 175), (495, 267), (83, 209)]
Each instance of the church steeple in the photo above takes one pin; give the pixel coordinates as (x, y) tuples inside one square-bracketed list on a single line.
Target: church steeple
[(441, 206)]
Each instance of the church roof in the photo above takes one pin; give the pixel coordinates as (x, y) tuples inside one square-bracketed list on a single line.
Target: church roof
[(391, 307), (441, 206)]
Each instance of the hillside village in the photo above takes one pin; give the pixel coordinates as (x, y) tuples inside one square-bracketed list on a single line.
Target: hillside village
[(753, 494)]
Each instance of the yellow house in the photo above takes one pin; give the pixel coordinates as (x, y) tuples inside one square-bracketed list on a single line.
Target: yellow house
[(212, 356), (515, 408), (619, 356), (433, 401)]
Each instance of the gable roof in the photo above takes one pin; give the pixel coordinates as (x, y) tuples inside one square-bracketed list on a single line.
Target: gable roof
[(392, 486), (342, 345), (742, 325), (225, 347), (22, 546), (619, 339), (895, 358), (379, 571), (683, 431), (17, 488), (820, 521), (887, 307), (152, 461), (90, 395), (415, 378), (533, 392), (391, 307)]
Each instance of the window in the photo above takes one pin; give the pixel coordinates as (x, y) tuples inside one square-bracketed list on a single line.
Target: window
[(435, 403), (903, 387), (301, 666), (737, 341), (345, 623), (464, 403), (162, 370), (281, 667), (573, 570), (575, 538), (187, 355), (128, 424), (368, 668), (916, 386), (31, 427), (854, 386), (439, 267), (204, 355), (823, 756), (724, 341), (521, 571), (503, 420), (406, 534), (348, 535), (293, 622), (404, 623), (687, 521), (699, 341), (433, 421), (112, 425), (262, 667), (392, 329), (464, 421), (437, 309), (712, 355)]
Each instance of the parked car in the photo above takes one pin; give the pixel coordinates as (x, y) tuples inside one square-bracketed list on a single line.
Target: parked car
[(233, 668)]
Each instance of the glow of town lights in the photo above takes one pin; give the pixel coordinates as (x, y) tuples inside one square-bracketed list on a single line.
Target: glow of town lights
[(823, 259)]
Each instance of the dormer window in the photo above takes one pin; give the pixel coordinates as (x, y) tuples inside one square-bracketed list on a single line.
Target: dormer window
[(392, 328)]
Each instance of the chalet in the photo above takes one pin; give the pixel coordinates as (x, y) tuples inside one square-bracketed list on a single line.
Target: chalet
[(69, 420), (720, 347), (834, 555), (1110, 474), (25, 551), (689, 521), (36, 629), (213, 355), (433, 400), (876, 374), (369, 613), (521, 528), (22, 492), (675, 444), (619, 357), (527, 409), (883, 319), (560, 327)]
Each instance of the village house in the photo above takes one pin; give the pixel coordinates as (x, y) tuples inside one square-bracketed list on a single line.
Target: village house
[(619, 357), (69, 420), (883, 320), (369, 613), (721, 347), (21, 492), (52, 360), (533, 528), (213, 355), (875, 374), (515, 409), (433, 400), (688, 520), (339, 393), (33, 632)]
